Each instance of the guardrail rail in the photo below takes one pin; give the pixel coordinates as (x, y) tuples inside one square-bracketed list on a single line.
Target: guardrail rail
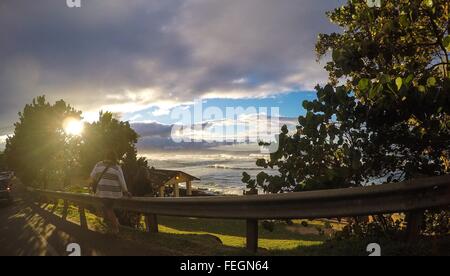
[(411, 197)]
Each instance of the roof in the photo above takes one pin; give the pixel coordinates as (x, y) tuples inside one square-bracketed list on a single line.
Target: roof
[(169, 177)]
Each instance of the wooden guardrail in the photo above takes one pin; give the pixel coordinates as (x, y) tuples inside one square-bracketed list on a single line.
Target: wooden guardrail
[(411, 197)]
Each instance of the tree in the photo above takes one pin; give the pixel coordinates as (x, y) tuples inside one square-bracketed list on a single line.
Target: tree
[(3, 165), (390, 121), (107, 134), (396, 61), (324, 152), (400, 38), (39, 152)]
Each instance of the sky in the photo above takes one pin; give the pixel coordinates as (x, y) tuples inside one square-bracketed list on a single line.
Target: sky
[(148, 59)]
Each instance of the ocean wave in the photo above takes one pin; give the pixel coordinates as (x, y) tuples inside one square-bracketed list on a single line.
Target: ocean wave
[(204, 157), (227, 167)]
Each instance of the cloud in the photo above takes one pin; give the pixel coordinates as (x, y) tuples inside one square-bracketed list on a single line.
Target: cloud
[(243, 132), (3, 141), (153, 129), (129, 56)]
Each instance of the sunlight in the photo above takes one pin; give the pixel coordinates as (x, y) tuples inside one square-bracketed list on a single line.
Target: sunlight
[(73, 126)]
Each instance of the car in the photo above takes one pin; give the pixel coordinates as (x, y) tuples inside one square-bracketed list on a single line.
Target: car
[(9, 175), (5, 187)]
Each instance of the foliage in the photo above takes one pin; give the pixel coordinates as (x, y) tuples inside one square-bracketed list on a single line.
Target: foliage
[(400, 38), (40, 152), (437, 222), (342, 142), (111, 134), (3, 164), (322, 153), (382, 226), (390, 121), (104, 135), (354, 246)]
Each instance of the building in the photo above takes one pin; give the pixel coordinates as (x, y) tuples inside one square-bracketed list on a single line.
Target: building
[(173, 179)]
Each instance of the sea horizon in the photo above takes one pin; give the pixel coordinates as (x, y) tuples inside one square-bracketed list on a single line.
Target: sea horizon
[(219, 172)]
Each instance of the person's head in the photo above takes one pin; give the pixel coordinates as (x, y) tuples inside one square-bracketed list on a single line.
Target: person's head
[(111, 155)]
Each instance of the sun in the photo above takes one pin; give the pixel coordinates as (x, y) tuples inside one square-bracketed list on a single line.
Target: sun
[(73, 126)]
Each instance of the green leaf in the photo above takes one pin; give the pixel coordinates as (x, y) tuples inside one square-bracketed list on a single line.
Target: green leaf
[(375, 91), (431, 82), (422, 89), (363, 84), (447, 43), (404, 22), (337, 55), (428, 3), (408, 80), (399, 83)]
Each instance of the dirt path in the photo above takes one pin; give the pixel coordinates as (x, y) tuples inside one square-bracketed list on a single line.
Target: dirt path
[(26, 230)]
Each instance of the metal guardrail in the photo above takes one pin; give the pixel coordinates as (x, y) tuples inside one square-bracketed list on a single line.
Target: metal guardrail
[(412, 197)]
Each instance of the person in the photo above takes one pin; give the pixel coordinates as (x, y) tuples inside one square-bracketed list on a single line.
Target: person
[(110, 185)]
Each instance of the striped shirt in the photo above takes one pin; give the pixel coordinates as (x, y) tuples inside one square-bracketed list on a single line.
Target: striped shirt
[(112, 184)]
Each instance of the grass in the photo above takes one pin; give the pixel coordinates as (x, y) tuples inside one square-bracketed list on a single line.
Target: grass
[(232, 232), (211, 236), (189, 236)]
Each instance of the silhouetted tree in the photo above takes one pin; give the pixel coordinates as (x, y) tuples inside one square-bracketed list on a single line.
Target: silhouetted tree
[(106, 134), (110, 133), (39, 151), (3, 164)]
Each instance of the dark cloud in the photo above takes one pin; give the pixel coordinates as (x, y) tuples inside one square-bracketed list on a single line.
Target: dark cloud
[(157, 136), (151, 130), (129, 55)]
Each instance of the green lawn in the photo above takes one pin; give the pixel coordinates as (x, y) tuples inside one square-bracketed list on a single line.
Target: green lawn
[(212, 236), (189, 236), (232, 232)]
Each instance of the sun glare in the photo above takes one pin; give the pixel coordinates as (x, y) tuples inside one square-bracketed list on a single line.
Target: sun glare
[(73, 126)]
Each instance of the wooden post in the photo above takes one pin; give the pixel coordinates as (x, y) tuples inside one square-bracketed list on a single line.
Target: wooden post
[(162, 190), (189, 188), (252, 235), (151, 223), (176, 190), (414, 221), (65, 209), (83, 221)]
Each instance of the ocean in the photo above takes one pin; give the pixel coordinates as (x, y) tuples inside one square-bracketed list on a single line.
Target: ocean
[(219, 172)]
